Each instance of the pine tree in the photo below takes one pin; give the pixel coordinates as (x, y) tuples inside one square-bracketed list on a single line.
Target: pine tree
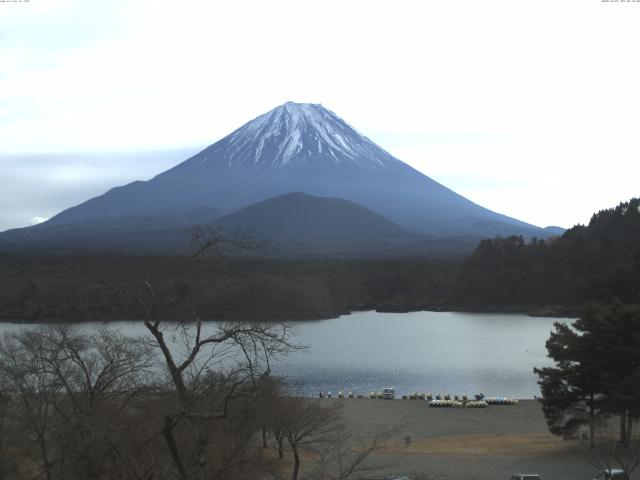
[(597, 371), (570, 389), (618, 332)]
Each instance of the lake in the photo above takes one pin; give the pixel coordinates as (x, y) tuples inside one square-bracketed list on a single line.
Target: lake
[(436, 352)]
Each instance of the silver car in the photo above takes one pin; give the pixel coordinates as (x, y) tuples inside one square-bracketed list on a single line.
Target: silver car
[(612, 474)]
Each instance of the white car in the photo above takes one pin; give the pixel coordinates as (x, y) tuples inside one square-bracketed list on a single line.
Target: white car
[(389, 393), (612, 474), (525, 476)]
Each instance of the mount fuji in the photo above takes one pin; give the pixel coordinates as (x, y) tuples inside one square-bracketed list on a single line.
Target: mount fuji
[(296, 147)]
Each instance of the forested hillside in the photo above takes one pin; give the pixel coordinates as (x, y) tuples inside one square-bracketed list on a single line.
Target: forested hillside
[(80, 288), (594, 263), (597, 262)]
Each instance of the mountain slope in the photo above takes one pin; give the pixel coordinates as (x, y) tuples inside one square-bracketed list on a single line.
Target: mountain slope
[(298, 215), (132, 233), (306, 148)]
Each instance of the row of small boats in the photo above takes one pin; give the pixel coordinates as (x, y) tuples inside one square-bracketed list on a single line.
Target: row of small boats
[(485, 402), (458, 404), (438, 400), (501, 401)]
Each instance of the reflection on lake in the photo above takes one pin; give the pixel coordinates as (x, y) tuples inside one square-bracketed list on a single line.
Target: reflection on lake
[(435, 352)]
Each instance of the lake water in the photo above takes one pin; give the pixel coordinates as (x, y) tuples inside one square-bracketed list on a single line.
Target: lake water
[(436, 352)]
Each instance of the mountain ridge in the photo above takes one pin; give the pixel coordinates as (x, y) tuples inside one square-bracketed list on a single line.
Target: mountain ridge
[(298, 148)]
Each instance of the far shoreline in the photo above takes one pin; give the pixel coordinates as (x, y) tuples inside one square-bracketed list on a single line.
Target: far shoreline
[(546, 312)]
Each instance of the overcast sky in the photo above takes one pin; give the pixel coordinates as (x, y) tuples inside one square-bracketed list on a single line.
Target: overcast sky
[(529, 108)]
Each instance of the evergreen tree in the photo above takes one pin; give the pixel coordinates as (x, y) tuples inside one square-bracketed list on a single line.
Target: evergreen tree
[(597, 371), (569, 390), (598, 262), (617, 330)]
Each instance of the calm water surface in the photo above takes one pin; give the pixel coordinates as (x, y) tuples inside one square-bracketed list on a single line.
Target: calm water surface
[(433, 352)]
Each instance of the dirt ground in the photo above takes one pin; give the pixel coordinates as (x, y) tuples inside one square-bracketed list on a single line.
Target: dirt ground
[(469, 443)]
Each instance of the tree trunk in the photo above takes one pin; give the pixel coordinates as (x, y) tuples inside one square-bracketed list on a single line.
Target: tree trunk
[(592, 422), (623, 427), (280, 439), (167, 432), (45, 458), (296, 462), (264, 437), (174, 371), (61, 464)]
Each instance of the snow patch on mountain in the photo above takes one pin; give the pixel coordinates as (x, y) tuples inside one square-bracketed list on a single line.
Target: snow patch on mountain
[(295, 132)]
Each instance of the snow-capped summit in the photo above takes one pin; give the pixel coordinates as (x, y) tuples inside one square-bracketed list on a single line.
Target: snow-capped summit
[(293, 134), (297, 147)]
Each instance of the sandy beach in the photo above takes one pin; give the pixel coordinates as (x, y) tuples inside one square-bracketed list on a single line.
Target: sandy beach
[(469, 443)]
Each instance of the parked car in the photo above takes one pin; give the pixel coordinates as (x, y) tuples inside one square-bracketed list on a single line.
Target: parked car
[(525, 476), (612, 474), (389, 393)]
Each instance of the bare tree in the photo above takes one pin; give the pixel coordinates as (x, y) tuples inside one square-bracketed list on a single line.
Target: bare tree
[(307, 423), (100, 373), (7, 463), (32, 391), (239, 353), (608, 452), (270, 391), (345, 455), (314, 431), (184, 402), (104, 367), (68, 392)]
